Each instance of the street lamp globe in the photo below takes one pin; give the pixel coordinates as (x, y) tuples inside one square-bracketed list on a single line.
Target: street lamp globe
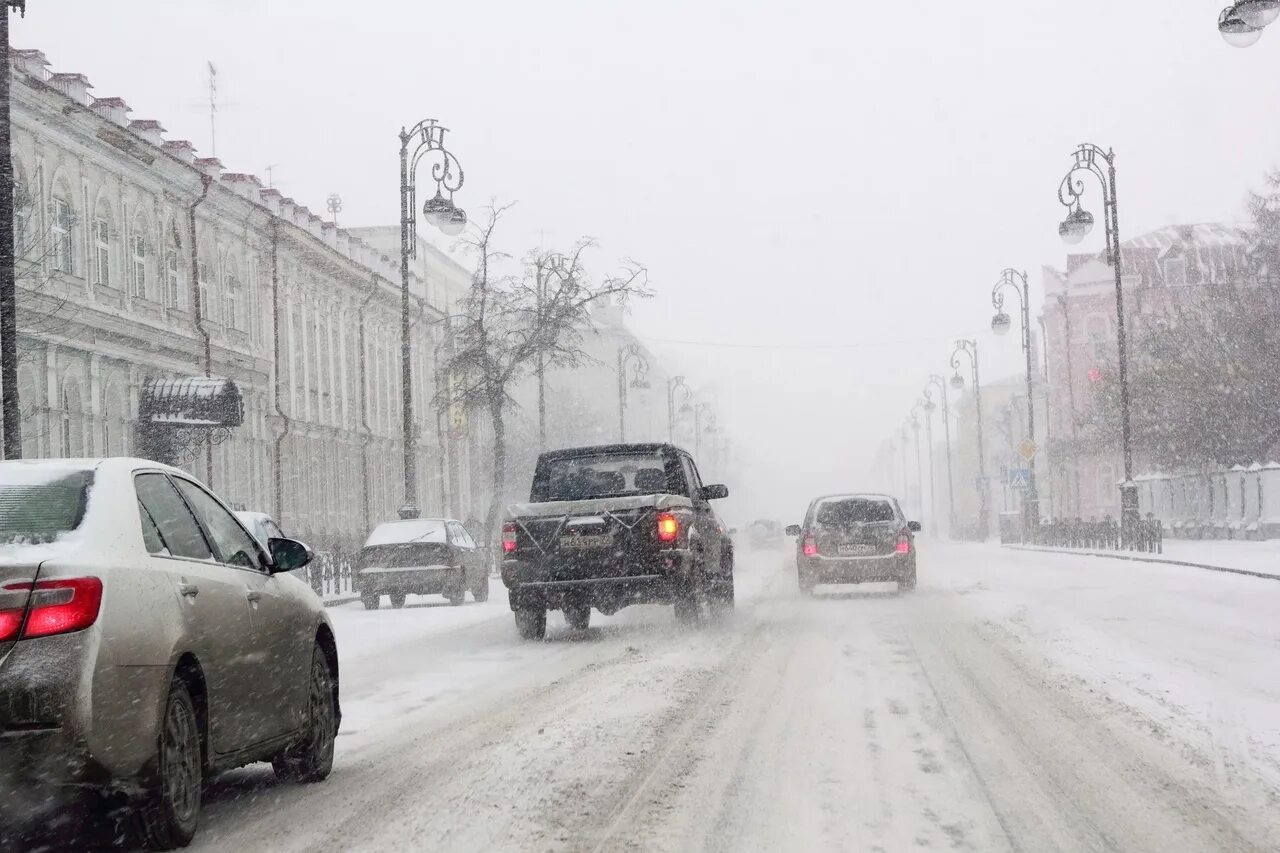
[(438, 209), (1235, 30), (957, 381), (1258, 13), (453, 224), (1000, 323), (1076, 226)]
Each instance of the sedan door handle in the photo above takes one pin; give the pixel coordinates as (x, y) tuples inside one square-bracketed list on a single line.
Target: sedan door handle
[(190, 590), (254, 597)]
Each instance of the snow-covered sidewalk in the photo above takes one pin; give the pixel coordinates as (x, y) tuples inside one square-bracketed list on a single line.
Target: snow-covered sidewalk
[(1234, 556)]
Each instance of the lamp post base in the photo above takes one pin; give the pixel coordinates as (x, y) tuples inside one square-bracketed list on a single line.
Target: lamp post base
[(1130, 518)]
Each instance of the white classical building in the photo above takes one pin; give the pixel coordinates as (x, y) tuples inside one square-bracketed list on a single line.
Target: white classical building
[(303, 316)]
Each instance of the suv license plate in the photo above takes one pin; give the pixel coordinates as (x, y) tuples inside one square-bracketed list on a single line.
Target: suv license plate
[(586, 541), (853, 550)]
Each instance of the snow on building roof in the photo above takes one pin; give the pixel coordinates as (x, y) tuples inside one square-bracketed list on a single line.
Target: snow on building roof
[(1203, 234)]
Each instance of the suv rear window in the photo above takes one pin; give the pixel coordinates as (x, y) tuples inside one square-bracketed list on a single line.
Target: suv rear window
[(38, 505), (601, 475), (854, 511)]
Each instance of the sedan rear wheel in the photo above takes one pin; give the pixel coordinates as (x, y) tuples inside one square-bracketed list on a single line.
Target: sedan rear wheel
[(397, 599), (370, 600), (311, 759), (169, 818)]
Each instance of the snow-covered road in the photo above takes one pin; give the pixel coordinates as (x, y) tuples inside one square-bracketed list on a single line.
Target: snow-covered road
[(1017, 701)]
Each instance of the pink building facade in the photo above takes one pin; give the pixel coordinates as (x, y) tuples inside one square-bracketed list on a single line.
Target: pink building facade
[(1168, 267)]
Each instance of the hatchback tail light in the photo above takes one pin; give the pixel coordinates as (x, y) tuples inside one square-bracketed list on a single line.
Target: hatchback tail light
[(904, 543), (509, 537), (668, 527), (808, 546), (55, 607)]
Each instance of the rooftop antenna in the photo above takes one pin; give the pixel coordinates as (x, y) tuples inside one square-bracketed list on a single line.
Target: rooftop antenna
[(271, 168), (213, 108)]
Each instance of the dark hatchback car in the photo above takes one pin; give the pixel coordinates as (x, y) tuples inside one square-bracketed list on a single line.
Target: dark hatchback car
[(855, 538), (420, 556)]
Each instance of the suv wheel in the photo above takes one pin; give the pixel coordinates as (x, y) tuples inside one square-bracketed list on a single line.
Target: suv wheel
[(311, 759), (397, 599), (688, 608), (169, 817), (578, 616), (370, 600), (531, 622)]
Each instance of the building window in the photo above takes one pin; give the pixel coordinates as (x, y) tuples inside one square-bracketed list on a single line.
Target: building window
[(139, 265), (171, 276), (63, 256), (231, 304), (21, 218), (101, 252), (203, 286), (1106, 485), (1175, 272)]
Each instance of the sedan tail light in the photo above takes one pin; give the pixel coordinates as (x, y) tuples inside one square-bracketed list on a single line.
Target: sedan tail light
[(904, 543), (55, 607), (509, 537), (809, 546), (668, 527)]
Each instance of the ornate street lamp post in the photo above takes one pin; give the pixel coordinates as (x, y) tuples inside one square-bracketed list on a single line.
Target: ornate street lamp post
[(970, 348), (426, 139), (697, 426), (935, 379), (926, 405), (630, 354), (674, 384), (1073, 229), (915, 428), (1000, 323)]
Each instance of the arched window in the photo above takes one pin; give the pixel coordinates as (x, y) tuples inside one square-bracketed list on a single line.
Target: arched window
[(202, 284), (101, 257), (172, 278), (115, 420), (138, 251), (62, 230), (233, 309), (22, 208), (71, 431)]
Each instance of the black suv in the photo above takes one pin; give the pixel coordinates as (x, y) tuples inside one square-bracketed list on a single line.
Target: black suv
[(855, 538), (615, 525)]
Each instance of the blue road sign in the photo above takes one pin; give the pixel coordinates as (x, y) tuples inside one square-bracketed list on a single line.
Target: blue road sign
[(1019, 478)]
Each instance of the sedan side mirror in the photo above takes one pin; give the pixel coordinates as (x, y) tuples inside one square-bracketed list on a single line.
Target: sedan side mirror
[(287, 555), (710, 493), (913, 526), (793, 530)]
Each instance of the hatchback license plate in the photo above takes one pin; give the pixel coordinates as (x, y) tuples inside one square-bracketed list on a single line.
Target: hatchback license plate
[(855, 550), (586, 541)]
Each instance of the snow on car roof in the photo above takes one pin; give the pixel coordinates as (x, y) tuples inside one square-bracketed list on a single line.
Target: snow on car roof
[(409, 530)]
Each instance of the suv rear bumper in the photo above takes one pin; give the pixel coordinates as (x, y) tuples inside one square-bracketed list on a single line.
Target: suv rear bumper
[(658, 579)]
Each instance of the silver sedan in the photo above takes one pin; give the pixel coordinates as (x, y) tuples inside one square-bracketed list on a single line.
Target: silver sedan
[(147, 641)]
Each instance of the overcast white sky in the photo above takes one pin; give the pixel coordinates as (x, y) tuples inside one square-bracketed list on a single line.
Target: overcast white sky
[(791, 172)]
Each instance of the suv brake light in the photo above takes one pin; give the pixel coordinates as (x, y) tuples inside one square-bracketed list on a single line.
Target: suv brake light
[(55, 607), (810, 547), (904, 543), (668, 527), (509, 537)]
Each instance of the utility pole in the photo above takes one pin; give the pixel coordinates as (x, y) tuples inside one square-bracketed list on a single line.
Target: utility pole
[(12, 410)]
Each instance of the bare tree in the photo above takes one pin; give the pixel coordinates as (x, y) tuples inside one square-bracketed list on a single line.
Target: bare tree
[(508, 325)]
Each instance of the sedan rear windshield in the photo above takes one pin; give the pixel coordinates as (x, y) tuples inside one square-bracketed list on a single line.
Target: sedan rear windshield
[(38, 506), (601, 475), (403, 555), (854, 511)]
